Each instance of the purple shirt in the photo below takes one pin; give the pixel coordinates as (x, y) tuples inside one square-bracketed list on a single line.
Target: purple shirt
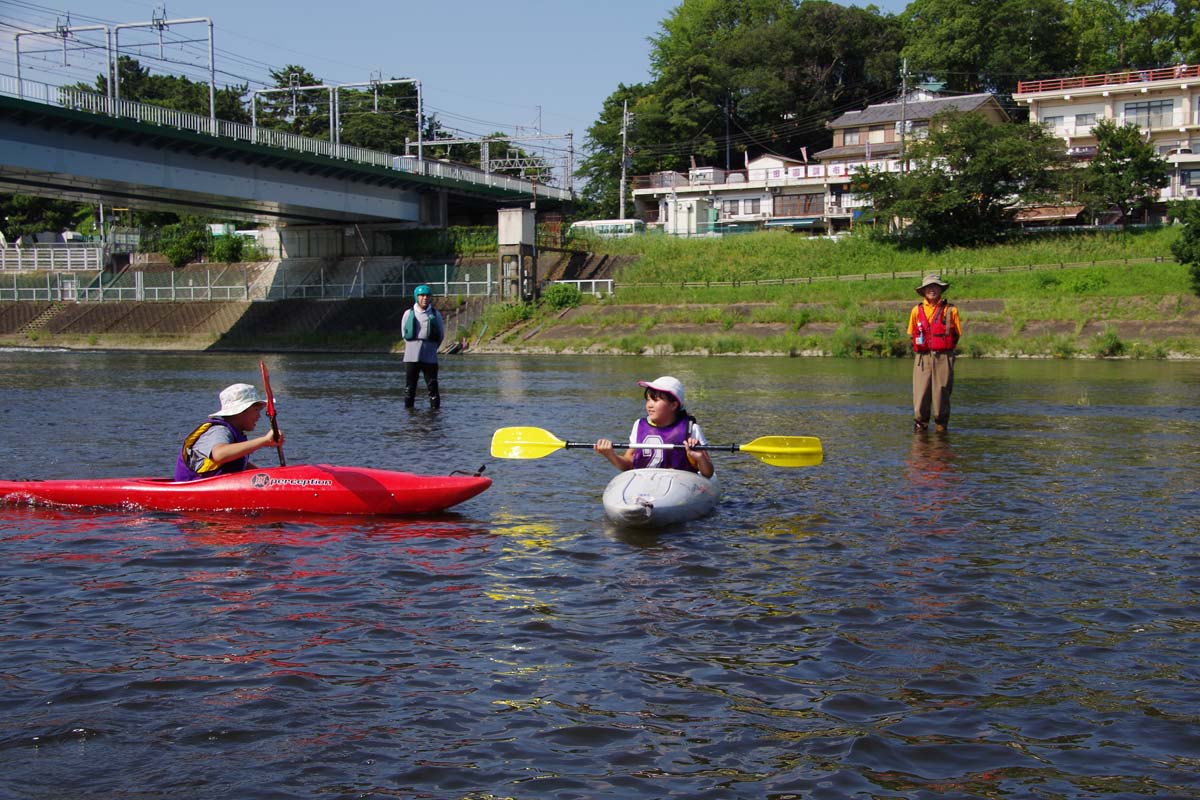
[(645, 433)]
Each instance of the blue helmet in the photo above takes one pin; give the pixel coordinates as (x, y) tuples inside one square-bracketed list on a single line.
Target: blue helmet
[(420, 290)]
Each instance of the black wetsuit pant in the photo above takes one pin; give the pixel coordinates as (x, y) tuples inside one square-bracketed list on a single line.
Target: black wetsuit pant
[(430, 371)]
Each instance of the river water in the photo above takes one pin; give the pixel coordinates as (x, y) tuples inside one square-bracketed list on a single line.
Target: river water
[(1009, 610)]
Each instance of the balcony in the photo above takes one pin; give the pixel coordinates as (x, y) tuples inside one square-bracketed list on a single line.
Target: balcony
[(706, 179), (1136, 76)]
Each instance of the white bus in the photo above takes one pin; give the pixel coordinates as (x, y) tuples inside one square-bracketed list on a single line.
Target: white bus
[(607, 228)]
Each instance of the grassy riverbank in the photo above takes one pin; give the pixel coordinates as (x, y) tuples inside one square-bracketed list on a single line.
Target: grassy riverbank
[(1086, 295), (1102, 295)]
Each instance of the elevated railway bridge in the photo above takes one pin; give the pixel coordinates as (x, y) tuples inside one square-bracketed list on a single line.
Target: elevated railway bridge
[(325, 199)]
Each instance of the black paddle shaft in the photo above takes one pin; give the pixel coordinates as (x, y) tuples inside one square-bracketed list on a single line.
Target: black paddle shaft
[(727, 448)]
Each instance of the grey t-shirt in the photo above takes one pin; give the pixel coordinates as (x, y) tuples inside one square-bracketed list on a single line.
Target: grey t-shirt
[(202, 449)]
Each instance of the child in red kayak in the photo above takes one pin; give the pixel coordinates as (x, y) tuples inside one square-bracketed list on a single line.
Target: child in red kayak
[(219, 446), (666, 422)]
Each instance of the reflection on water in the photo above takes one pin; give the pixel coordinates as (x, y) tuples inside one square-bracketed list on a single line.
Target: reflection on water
[(1009, 610)]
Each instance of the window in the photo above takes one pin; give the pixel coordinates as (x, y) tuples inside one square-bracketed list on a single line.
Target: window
[(1085, 120), (876, 135), (1150, 113), (751, 206), (851, 136), (729, 208), (919, 129), (1190, 177), (797, 205), (1053, 122)]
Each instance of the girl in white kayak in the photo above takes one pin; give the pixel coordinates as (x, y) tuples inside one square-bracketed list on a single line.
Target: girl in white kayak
[(666, 422)]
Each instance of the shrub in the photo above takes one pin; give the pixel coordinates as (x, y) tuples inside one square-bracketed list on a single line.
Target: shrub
[(1108, 344), (848, 342), (1062, 347), (562, 295), (888, 341), (227, 249), (183, 242)]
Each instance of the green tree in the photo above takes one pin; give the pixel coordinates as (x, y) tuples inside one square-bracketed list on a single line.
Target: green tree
[(378, 118), (1126, 172), (305, 112), (185, 241), (1187, 247), (22, 214), (173, 91), (732, 78), (966, 180), (987, 45), (1113, 35), (601, 166)]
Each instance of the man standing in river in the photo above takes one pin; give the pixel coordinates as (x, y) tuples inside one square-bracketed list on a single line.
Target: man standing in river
[(934, 327)]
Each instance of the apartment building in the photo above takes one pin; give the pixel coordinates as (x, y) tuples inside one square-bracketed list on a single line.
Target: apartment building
[(798, 194), (1164, 102)]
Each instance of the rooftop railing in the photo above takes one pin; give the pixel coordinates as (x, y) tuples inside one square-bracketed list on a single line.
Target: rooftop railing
[(1109, 79)]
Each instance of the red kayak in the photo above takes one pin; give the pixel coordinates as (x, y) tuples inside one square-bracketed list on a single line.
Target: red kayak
[(302, 489)]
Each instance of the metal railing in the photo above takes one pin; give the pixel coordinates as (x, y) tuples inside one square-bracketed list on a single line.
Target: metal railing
[(239, 131), (1182, 71), (598, 287), (61, 258), (191, 287)]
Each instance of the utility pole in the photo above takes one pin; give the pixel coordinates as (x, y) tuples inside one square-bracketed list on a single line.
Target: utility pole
[(727, 162), (624, 152), (160, 23), (65, 31), (903, 114)]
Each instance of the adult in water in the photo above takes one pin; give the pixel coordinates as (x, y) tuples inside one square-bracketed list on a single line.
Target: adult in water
[(423, 329), (935, 329), (219, 445)]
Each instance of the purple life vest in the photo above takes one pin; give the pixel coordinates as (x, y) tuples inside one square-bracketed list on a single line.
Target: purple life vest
[(666, 459), (208, 468)]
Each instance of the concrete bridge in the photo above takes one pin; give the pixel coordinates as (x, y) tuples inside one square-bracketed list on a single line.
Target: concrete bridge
[(82, 146)]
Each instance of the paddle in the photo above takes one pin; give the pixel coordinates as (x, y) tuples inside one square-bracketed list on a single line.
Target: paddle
[(778, 451), (271, 410)]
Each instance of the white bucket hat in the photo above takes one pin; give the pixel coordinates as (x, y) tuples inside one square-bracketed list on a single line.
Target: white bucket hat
[(666, 383), (237, 398)]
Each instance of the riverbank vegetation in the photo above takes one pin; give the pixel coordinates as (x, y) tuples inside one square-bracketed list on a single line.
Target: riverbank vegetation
[(1101, 295)]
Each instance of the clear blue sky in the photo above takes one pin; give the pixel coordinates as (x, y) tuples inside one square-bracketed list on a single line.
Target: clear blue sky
[(483, 66)]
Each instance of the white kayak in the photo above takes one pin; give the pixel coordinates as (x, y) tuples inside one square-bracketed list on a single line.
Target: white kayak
[(652, 498)]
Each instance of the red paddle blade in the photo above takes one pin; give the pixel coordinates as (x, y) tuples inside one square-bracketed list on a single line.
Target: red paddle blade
[(267, 388)]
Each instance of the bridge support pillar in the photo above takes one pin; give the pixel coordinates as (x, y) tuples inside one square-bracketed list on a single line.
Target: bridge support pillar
[(517, 236)]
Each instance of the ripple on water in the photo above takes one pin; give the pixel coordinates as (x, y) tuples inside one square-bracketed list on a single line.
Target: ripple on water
[(1004, 611)]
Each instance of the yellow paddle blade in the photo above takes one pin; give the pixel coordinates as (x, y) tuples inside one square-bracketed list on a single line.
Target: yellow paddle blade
[(786, 451), (524, 443)]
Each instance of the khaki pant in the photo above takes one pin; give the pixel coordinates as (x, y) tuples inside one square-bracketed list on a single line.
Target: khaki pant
[(933, 381)]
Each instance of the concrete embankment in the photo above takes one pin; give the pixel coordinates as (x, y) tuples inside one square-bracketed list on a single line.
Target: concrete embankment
[(357, 324), (1161, 326), (364, 324), (373, 325)]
